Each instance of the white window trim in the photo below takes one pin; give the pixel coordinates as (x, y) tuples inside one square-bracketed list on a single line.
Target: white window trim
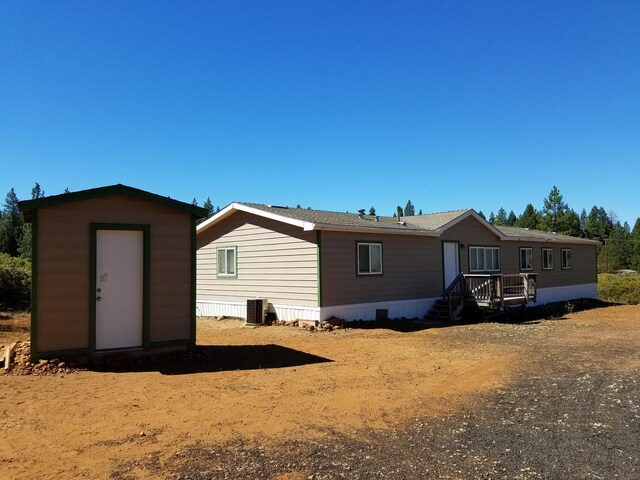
[(528, 259), (550, 266), (486, 258), (368, 244), (563, 265), (235, 260)]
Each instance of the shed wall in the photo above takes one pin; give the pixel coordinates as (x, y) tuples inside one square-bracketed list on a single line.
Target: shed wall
[(64, 299)]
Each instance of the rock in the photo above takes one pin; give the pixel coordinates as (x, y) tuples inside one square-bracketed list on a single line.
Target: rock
[(142, 434), (327, 327), (42, 361)]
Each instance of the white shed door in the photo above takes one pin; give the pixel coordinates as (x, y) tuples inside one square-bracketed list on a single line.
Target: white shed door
[(119, 288), (451, 262)]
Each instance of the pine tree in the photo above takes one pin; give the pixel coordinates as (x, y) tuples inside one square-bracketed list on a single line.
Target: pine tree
[(635, 246), (194, 202), (372, 212), (398, 211), (501, 218), (420, 212), (409, 209), (298, 206), (583, 221), (482, 214), (511, 219), (598, 225), (553, 212), (24, 246), (529, 218), (11, 225), (492, 218), (208, 206), (66, 190)]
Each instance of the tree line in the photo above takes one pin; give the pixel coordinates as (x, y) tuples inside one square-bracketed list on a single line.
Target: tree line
[(620, 244), (15, 235), (619, 247)]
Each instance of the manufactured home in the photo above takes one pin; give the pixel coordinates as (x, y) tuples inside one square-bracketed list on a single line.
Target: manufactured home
[(113, 268), (314, 265)]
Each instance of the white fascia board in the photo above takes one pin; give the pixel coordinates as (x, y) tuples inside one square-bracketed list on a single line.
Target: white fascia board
[(234, 207), (472, 213), (382, 230)]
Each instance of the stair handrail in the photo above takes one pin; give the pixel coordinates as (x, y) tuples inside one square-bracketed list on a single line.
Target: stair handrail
[(455, 294)]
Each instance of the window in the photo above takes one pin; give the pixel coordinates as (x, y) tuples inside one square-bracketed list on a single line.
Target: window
[(226, 262), (566, 258), (547, 259), (484, 259), (526, 258), (369, 258)]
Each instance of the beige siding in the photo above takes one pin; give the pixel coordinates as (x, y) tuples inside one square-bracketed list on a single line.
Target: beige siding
[(411, 267), (64, 298), (274, 260)]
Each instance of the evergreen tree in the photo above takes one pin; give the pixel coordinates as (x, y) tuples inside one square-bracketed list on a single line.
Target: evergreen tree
[(553, 212), (298, 206), (571, 224), (11, 225), (24, 246), (482, 214), (372, 212), (409, 209), (399, 211), (209, 206), (583, 221), (420, 212), (529, 218), (194, 202), (618, 253), (492, 218), (66, 190), (598, 225), (501, 218), (511, 219), (635, 246)]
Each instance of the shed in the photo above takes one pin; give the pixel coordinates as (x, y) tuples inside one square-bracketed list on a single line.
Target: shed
[(112, 268)]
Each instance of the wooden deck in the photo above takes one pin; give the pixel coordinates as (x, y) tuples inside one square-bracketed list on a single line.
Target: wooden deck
[(487, 292)]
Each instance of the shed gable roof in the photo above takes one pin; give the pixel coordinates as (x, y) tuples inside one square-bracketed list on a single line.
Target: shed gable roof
[(28, 206)]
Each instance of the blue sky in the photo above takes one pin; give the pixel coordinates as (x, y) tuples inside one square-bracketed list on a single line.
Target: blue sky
[(334, 105)]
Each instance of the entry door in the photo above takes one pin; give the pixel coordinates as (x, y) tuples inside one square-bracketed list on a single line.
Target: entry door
[(451, 262), (119, 288)]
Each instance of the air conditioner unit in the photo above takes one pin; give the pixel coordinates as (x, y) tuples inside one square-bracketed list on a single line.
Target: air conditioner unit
[(256, 310)]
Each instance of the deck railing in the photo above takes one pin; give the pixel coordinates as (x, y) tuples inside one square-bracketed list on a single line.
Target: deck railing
[(495, 289)]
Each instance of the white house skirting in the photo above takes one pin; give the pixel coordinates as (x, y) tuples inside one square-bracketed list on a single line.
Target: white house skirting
[(212, 308), (566, 292), (367, 311)]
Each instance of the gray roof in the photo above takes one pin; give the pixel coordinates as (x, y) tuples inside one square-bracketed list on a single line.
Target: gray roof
[(541, 235), (429, 222)]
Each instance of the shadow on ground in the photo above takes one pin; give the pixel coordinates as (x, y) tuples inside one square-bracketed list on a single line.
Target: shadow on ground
[(208, 358), (527, 316)]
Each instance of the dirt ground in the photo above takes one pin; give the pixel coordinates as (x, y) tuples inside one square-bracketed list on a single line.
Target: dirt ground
[(281, 402)]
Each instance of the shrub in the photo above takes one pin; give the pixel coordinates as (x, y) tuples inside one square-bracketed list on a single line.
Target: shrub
[(15, 282), (619, 288)]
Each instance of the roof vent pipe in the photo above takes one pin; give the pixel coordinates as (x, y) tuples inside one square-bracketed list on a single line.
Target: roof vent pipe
[(376, 218), (402, 223), (361, 213)]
